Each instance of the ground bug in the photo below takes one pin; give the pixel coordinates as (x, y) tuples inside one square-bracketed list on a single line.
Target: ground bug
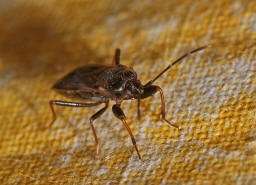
[(100, 83)]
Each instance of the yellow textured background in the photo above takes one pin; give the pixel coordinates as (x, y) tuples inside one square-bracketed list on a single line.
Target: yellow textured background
[(211, 95)]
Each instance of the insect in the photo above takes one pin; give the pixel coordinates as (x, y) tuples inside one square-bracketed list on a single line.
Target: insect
[(99, 84)]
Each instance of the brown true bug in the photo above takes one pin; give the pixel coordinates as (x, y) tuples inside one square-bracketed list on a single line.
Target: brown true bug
[(101, 83)]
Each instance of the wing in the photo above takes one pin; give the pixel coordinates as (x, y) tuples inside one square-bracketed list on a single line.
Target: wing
[(83, 78), (83, 83)]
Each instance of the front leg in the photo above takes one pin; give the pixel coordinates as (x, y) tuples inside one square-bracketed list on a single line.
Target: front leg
[(149, 91), (120, 115)]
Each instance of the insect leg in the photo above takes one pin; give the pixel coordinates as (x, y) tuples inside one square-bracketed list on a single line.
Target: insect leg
[(92, 118), (163, 107), (116, 59), (120, 115), (138, 108), (152, 89), (68, 104), (148, 91)]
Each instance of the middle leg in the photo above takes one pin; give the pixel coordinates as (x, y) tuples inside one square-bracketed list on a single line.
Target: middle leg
[(94, 117)]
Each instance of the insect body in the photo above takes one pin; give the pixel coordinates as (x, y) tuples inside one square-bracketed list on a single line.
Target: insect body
[(102, 83)]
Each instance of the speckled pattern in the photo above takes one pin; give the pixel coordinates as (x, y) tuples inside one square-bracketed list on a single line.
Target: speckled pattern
[(210, 96)]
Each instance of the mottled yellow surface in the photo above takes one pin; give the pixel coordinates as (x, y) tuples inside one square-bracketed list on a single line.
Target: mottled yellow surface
[(210, 96)]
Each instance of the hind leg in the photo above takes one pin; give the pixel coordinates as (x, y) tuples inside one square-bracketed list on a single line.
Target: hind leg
[(67, 104)]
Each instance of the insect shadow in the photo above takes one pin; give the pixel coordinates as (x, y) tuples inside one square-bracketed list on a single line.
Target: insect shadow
[(101, 83)]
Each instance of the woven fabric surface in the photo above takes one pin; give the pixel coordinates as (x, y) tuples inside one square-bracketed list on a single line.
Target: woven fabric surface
[(210, 95)]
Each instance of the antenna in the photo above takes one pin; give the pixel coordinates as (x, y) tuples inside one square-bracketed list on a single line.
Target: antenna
[(175, 62)]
